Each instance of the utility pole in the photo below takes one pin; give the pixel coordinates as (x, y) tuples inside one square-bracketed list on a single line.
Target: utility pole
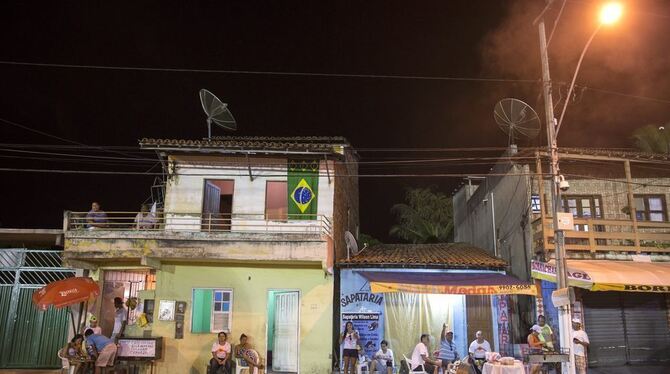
[(564, 319)]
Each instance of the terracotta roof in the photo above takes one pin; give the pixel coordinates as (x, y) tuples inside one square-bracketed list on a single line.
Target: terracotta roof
[(447, 255), (253, 143)]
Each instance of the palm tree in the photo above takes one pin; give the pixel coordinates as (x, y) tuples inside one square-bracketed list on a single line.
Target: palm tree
[(653, 139), (426, 217)]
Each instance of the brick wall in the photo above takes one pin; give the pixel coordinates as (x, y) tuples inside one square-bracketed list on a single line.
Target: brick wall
[(345, 211)]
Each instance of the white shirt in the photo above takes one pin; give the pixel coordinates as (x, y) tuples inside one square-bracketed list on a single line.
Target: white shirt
[(222, 351), (578, 348), (119, 318), (384, 357), (350, 341), (479, 350), (419, 350)]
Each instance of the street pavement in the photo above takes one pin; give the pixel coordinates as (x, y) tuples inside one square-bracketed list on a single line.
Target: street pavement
[(631, 370)]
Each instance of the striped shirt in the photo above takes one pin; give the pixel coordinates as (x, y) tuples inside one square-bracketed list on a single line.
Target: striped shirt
[(448, 350)]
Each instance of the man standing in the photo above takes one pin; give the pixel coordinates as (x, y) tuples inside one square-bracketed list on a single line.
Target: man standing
[(448, 353), (120, 319), (421, 360), (103, 348), (580, 343), (547, 334), (96, 218), (478, 349)]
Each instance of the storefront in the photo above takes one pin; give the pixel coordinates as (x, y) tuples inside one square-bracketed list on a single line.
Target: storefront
[(623, 305), (398, 292)]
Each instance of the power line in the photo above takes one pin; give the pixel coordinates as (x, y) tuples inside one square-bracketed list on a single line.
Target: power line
[(272, 73)]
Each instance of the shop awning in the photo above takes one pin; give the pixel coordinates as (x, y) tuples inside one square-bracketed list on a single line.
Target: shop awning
[(447, 283), (605, 275)]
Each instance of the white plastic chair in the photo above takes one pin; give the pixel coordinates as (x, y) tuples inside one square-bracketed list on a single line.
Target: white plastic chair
[(241, 364), (409, 366), (65, 363), (360, 366)]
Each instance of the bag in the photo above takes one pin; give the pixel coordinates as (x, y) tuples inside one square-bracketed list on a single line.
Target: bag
[(403, 367)]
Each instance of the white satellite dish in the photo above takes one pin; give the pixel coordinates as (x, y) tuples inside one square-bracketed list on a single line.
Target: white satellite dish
[(217, 112), (352, 245)]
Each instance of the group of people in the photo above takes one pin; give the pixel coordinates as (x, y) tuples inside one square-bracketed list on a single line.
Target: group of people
[(93, 347), (96, 218), (222, 352), (421, 360), (541, 339)]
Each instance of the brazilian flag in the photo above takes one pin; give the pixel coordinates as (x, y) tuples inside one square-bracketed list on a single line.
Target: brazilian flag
[(303, 185)]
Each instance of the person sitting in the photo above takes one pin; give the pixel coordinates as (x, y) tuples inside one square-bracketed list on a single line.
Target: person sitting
[(382, 359), (421, 360), (448, 353), (220, 355), (145, 220), (96, 218), (363, 360), (103, 348), (249, 355), (477, 351), (74, 353)]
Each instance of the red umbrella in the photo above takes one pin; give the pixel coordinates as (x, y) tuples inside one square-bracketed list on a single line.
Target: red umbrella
[(65, 292)]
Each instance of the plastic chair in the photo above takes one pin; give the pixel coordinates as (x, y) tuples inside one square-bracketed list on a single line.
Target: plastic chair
[(409, 367), (65, 363), (360, 366)]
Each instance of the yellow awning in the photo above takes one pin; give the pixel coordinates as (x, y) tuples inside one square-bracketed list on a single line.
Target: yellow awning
[(605, 275)]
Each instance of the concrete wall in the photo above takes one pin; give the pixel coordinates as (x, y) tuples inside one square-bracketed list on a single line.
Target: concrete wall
[(184, 191), (511, 198), (250, 298)]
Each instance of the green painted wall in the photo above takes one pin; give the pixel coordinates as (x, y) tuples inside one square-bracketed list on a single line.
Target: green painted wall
[(250, 310), (271, 322)]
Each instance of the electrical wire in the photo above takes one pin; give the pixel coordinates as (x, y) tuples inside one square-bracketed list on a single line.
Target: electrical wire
[(271, 73)]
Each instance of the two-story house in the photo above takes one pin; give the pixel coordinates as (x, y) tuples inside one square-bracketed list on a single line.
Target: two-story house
[(247, 237), (618, 250)]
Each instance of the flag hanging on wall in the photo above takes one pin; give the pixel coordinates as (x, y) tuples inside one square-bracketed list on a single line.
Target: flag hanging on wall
[(303, 187)]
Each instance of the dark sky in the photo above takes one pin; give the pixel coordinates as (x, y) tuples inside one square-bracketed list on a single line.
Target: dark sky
[(476, 38)]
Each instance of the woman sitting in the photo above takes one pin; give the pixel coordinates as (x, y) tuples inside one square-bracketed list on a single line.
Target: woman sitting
[(74, 353), (249, 355)]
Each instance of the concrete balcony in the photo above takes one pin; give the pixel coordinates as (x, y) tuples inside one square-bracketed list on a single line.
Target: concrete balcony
[(126, 239)]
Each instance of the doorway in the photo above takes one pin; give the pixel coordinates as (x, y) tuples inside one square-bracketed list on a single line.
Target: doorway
[(283, 331), (217, 205)]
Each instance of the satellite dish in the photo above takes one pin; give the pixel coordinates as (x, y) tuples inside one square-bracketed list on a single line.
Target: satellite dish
[(217, 112), (516, 118), (352, 245)]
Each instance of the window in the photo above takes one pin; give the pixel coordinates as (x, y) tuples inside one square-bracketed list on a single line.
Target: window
[(212, 310), (650, 208), (587, 206), (276, 200)]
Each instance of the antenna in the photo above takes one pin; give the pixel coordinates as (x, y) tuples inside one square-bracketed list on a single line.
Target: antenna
[(217, 112), (516, 118), (352, 245)]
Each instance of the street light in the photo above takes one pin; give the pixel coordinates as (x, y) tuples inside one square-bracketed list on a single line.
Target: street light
[(609, 14)]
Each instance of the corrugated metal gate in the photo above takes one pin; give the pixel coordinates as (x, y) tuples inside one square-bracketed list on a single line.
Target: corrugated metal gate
[(30, 338), (626, 328)]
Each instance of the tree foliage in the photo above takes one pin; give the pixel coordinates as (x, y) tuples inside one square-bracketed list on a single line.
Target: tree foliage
[(652, 139), (425, 217)]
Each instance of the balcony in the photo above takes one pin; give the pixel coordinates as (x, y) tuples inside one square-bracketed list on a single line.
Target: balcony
[(124, 238), (605, 235)]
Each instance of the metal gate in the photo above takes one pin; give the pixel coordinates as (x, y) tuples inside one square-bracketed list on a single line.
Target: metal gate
[(30, 338), (626, 328)]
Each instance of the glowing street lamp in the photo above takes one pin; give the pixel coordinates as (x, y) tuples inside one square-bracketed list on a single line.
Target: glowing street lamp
[(610, 13)]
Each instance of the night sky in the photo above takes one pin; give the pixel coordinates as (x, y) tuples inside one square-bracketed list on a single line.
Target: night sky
[(458, 39)]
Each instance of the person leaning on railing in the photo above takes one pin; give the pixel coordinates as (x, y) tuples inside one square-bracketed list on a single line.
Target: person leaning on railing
[(96, 217), (145, 220)]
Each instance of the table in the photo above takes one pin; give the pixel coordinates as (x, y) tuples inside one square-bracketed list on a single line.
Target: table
[(490, 368)]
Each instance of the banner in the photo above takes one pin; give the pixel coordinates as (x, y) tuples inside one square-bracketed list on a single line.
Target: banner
[(545, 271), (500, 289), (303, 187)]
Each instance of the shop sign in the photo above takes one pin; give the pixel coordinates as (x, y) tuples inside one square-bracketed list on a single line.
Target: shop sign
[(360, 297), (503, 325)]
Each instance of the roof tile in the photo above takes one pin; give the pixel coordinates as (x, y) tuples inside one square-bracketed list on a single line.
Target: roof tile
[(449, 255)]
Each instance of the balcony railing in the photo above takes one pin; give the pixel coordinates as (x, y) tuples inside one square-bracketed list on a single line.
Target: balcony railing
[(598, 235), (196, 222)]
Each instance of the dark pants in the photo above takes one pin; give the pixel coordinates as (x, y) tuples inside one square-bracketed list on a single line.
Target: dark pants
[(216, 368)]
